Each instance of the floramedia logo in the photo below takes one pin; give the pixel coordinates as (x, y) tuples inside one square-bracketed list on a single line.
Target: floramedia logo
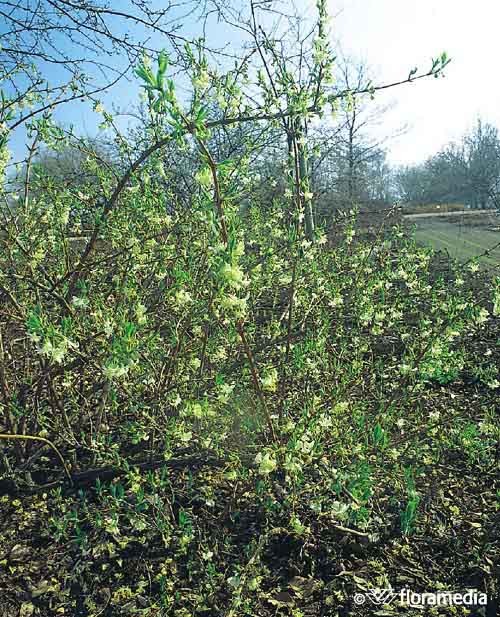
[(407, 597), (382, 596)]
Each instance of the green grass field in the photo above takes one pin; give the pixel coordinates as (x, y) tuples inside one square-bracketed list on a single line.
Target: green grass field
[(460, 241)]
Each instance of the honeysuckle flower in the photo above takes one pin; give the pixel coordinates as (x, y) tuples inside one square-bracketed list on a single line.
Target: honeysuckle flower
[(234, 304), (202, 80), (285, 279), (341, 406), (185, 436), (266, 462), (193, 409), (195, 363), (225, 391), (175, 400), (140, 313), (233, 581), (4, 160), (183, 297), (34, 337), (496, 297), (221, 353), (53, 352), (58, 354), (270, 381), (482, 316), (297, 526), (325, 421), (336, 301), (112, 372), (221, 101), (78, 302), (204, 177), (339, 509), (405, 369), (394, 453), (239, 249), (305, 445), (64, 216), (234, 276), (366, 316)]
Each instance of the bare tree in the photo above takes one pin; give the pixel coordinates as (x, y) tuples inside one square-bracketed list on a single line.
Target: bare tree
[(359, 117), (481, 151)]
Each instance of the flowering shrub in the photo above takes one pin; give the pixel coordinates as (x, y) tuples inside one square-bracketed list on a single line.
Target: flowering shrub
[(174, 336), (148, 334)]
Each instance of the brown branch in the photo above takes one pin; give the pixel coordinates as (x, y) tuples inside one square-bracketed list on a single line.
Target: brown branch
[(42, 439)]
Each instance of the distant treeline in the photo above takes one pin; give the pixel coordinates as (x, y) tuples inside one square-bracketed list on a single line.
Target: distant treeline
[(467, 172)]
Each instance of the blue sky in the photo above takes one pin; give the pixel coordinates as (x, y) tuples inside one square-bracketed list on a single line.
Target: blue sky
[(124, 96), (391, 36)]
